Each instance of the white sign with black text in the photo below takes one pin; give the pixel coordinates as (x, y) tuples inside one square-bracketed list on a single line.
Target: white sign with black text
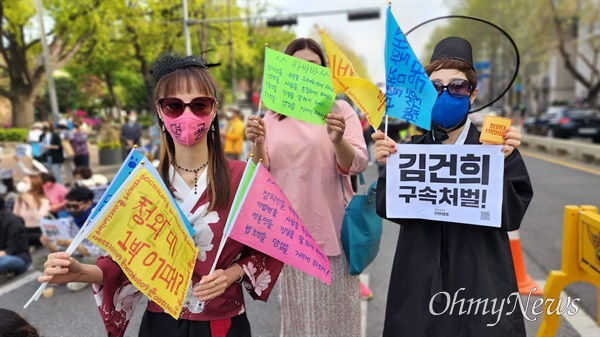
[(57, 228), (452, 183)]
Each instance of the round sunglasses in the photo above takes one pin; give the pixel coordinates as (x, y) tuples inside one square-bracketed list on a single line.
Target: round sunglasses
[(456, 88), (174, 107)]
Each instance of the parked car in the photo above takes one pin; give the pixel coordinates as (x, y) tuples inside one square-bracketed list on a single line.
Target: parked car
[(566, 122)]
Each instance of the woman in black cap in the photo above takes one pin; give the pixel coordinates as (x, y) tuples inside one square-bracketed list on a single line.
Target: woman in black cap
[(452, 279)]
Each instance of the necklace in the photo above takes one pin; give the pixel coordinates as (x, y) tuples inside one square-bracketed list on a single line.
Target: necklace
[(195, 180)]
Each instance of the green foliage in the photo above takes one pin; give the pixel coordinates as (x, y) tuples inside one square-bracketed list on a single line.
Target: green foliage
[(108, 48), (145, 120), (13, 135), (560, 103), (66, 92), (109, 145), (70, 25), (130, 89), (108, 137)]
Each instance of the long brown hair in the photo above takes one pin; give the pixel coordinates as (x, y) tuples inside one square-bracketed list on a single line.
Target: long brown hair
[(37, 189), (184, 80), (302, 43)]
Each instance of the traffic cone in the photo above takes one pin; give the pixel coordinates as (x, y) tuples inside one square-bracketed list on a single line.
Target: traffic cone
[(525, 282)]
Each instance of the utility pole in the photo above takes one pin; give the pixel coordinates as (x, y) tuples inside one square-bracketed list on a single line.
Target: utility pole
[(47, 62), (231, 58), (186, 29)]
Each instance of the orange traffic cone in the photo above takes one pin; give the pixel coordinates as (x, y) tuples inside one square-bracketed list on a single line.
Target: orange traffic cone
[(525, 282)]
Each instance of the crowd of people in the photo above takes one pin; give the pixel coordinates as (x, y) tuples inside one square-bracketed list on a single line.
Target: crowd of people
[(54, 168), (202, 161)]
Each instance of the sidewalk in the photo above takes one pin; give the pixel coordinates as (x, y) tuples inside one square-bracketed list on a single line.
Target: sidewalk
[(8, 162)]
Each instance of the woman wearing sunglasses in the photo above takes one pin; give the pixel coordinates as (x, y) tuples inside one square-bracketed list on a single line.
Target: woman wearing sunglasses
[(467, 262), (203, 182)]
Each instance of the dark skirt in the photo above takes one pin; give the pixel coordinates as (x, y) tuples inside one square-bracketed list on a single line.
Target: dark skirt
[(162, 325)]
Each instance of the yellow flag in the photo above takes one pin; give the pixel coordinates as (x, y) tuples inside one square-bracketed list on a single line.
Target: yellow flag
[(369, 99), (142, 232)]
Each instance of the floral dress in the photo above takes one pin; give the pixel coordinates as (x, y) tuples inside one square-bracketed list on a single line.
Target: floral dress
[(117, 297)]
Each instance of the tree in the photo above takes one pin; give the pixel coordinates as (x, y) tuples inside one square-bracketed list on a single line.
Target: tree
[(74, 22), (532, 35), (259, 36), (514, 16), (566, 18)]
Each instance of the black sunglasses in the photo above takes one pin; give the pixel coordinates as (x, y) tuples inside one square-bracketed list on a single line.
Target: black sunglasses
[(456, 88), (73, 206), (174, 107)]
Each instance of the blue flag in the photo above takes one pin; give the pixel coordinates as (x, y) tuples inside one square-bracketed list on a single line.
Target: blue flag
[(135, 158), (132, 160), (410, 94)]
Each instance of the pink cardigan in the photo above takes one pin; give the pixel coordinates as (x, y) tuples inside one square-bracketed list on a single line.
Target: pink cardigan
[(302, 161), (31, 214)]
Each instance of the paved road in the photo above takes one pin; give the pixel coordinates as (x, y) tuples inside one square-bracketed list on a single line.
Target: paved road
[(74, 314)]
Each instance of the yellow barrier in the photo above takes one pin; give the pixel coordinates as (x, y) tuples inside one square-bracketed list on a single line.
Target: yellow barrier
[(580, 261)]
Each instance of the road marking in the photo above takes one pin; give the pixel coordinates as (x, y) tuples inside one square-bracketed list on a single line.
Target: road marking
[(364, 278), (16, 283), (560, 162), (582, 322)]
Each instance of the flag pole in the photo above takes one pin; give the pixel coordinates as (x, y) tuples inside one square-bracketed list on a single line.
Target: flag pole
[(261, 92)]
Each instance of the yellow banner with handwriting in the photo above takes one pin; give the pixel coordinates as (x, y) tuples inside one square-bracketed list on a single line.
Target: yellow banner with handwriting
[(143, 233)]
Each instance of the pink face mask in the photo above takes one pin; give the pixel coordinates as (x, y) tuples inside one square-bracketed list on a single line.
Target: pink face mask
[(187, 129)]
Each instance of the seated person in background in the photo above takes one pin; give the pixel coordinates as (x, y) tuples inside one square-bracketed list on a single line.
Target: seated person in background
[(79, 205), (83, 176), (8, 192), (32, 205), (14, 250), (56, 193)]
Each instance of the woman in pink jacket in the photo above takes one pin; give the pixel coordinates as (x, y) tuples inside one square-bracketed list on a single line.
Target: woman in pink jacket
[(32, 205), (310, 162)]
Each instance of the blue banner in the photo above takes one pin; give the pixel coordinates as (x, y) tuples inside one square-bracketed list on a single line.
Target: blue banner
[(410, 94)]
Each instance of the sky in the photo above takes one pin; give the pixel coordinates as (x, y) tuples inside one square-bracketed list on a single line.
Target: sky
[(367, 37)]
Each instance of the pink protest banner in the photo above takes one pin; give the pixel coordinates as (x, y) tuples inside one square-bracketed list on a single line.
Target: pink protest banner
[(266, 221)]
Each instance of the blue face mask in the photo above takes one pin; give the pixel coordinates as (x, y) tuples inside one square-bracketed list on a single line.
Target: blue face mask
[(448, 111), (79, 217)]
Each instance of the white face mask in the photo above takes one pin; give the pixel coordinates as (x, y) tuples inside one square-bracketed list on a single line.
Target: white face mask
[(23, 187)]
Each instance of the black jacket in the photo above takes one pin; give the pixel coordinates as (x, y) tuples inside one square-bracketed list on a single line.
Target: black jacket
[(13, 239), (475, 262), (55, 155)]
